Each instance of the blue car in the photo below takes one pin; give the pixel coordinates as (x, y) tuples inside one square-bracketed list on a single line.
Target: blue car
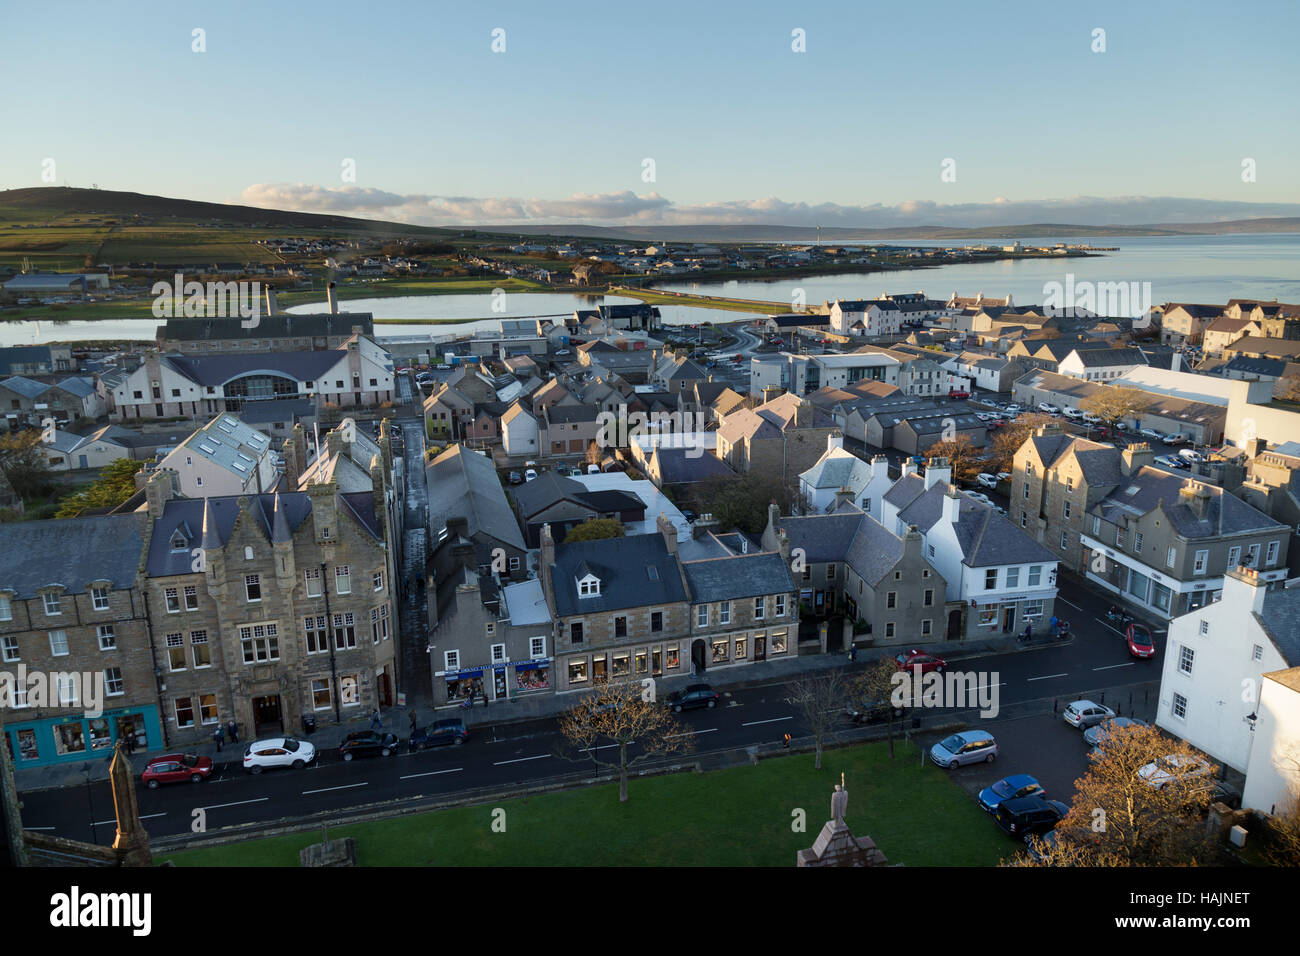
[(1010, 788)]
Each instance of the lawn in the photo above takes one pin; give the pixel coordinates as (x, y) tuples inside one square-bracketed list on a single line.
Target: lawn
[(736, 817)]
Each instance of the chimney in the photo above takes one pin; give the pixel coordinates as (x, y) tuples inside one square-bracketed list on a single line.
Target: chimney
[(334, 440), (299, 446), (952, 505), (803, 415), (291, 472), (160, 489), (270, 300), (1197, 497), (783, 546), (772, 391), (879, 467), (547, 563), (1233, 476), (1243, 587), (332, 298), (703, 525), (669, 531), (937, 470), (1256, 447), (378, 490), (843, 496), (908, 468), (912, 542), (1136, 456), (773, 518), (834, 440)]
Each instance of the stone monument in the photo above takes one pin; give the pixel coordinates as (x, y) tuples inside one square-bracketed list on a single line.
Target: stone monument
[(836, 845), (132, 842)]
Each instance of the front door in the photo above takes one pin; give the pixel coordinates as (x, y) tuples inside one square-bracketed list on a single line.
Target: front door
[(266, 715), (1008, 619), (760, 647), (385, 688), (699, 659), (499, 683)]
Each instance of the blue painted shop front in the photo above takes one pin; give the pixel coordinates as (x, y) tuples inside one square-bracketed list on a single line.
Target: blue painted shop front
[(76, 738)]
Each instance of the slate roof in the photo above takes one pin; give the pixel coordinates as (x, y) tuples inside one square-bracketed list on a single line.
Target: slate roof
[(463, 483), (822, 537), (24, 355), (281, 325), (1094, 358), (219, 368), (71, 552), (873, 550), (676, 467), (1150, 487), (836, 469), (737, 576), (1256, 366), (77, 385), (905, 490), (24, 386), (986, 538), (1280, 616), (636, 571)]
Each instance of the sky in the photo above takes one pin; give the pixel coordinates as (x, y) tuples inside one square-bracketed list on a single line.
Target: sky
[(614, 113)]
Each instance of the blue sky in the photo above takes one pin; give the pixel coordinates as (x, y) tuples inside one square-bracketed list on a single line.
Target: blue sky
[(741, 128)]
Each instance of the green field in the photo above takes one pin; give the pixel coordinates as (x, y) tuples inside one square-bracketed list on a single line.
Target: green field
[(736, 817)]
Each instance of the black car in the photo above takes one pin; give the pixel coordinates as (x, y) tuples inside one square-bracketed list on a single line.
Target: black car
[(693, 697), (874, 712), (1027, 816), (440, 734), (367, 743)]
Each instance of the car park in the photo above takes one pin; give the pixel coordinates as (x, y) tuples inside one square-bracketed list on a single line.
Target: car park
[(515, 478), (1027, 817), (367, 743), (694, 697), (1173, 767), (987, 480), (1096, 735), (1139, 640), (918, 658), (1072, 413), (275, 752), (1175, 438), (176, 768), (967, 747), (440, 733), (1009, 788), (1084, 713), (1013, 407)]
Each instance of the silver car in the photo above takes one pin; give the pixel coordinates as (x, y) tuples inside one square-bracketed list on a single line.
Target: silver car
[(1084, 714), (1096, 735), (969, 746)]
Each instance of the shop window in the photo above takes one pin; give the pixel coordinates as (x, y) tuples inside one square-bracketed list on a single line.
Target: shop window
[(720, 648), (778, 643), (69, 738), (533, 678), (619, 664), (988, 617), (641, 663), (321, 699), (349, 691), (672, 657), (578, 672), (101, 738), (742, 648)]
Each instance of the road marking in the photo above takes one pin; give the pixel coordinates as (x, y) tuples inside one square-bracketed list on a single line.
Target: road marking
[(690, 733), (1049, 676), (1108, 627), (104, 823), (587, 750), (501, 763), (1110, 667), (1064, 601), (350, 786), (431, 773), (239, 803), (43, 828), (755, 723)]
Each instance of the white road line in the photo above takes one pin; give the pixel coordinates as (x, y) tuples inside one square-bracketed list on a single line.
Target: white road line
[(1111, 667), (239, 803), (350, 786), (431, 773), (1064, 601), (1049, 676), (1108, 627), (501, 763), (104, 823), (43, 828), (755, 723), (691, 733), (587, 750)]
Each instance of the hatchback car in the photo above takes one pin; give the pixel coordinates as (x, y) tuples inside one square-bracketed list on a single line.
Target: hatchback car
[(176, 768), (530, 475), (1009, 788), (1049, 408), (969, 746), (1096, 736), (1173, 767), (367, 743), (1027, 817), (987, 480), (1152, 434), (1169, 461), (1190, 455), (1084, 713), (980, 497), (918, 658), (278, 752), (440, 733), (693, 697), (1140, 642)]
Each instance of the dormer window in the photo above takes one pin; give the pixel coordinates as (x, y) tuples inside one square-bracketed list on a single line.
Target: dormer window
[(180, 540), (589, 586)]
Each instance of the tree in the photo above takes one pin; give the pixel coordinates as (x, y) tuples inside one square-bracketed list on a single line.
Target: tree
[(741, 502), (595, 454), (820, 699), (1119, 818), (595, 529), (1008, 439), (24, 462), (962, 455), (1287, 388), (116, 483), (873, 689), (1114, 403), (621, 714)]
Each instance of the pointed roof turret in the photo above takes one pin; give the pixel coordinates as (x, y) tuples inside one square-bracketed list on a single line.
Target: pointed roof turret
[(211, 538), (280, 523)]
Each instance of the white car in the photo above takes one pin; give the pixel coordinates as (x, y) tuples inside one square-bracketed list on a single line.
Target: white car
[(1084, 713), (1004, 476), (1191, 455), (981, 498), (1072, 413), (987, 480), (1173, 766), (1049, 408), (1013, 407), (278, 752), (1152, 434), (969, 746), (1091, 419), (530, 475)]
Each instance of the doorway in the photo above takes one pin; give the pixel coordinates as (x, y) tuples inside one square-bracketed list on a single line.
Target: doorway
[(499, 683), (699, 659), (385, 689), (1008, 619), (267, 717), (760, 647)]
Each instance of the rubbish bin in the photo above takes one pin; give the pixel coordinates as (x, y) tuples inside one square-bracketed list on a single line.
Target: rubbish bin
[(309, 723)]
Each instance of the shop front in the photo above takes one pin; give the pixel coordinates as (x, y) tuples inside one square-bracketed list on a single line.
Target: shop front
[(76, 738), (531, 676), (581, 671), (1010, 613), (463, 685)]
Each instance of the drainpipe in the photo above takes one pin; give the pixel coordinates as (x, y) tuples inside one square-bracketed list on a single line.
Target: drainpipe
[(329, 636), (157, 669)]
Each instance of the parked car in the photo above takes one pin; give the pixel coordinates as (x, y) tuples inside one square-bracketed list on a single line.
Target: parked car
[(1169, 461), (1096, 735), (958, 393), (530, 475), (1013, 407), (278, 752), (1049, 408), (1072, 413), (1173, 767), (440, 733), (1009, 788), (693, 697), (176, 768), (516, 478), (980, 497), (918, 658), (1040, 849), (1152, 434), (987, 480), (1084, 713), (969, 746), (1140, 642), (1091, 419), (1176, 438), (1191, 455), (1004, 476), (1027, 817), (367, 743)]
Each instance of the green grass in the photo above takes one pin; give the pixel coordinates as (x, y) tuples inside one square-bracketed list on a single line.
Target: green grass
[(736, 817)]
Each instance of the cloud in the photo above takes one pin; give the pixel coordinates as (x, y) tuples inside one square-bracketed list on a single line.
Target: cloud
[(627, 208)]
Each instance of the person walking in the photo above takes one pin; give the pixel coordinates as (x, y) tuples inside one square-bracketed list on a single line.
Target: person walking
[(485, 697), (219, 735), (412, 716), (232, 728), (375, 722), (1029, 632)]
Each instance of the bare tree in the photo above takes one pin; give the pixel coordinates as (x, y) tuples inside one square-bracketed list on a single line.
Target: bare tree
[(820, 699), (872, 691), (620, 714), (962, 455), (1114, 404)]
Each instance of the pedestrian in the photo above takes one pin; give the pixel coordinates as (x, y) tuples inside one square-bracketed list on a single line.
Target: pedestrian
[(1056, 624), (232, 729), (1029, 631), (375, 722), (485, 698), (219, 736), (412, 715), (853, 653), (785, 740)]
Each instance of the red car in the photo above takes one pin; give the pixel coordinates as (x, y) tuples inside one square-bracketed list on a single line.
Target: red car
[(917, 658), (176, 768), (1139, 641)]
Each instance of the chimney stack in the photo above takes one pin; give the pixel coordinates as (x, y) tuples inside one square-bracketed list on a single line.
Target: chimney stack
[(1243, 587), (160, 489), (332, 298), (834, 440), (547, 562), (270, 300), (952, 505), (937, 470), (669, 531), (1135, 456)]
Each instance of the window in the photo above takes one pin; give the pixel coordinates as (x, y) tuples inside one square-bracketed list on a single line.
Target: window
[(320, 694), (1252, 556), (1171, 557), (342, 579), (248, 553), (176, 651), (702, 616), (1024, 519), (53, 607), (1205, 627), (830, 572), (589, 587), (932, 551), (1026, 491), (1065, 510), (253, 587), (1180, 706), (1069, 483), (656, 620), (575, 632), (990, 579), (191, 597), (311, 577), (451, 660), (1013, 577), (9, 648), (620, 627), (1202, 560), (113, 685), (1271, 557), (514, 563), (759, 608), (1137, 543), (184, 712), (866, 506), (498, 653), (1065, 540), (1234, 556), (260, 643), (1185, 656), (807, 573), (1119, 537), (891, 599), (379, 624), (172, 598), (98, 599), (199, 649), (107, 639), (314, 627), (1033, 609), (925, 627), (1257, 653), (345, 632), (578, 672), (536, 647), (1035, 575), (350, 690), (59, 643), (378, 581), (724, 612), (889, 629), (1096, 524), (780, 605)]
